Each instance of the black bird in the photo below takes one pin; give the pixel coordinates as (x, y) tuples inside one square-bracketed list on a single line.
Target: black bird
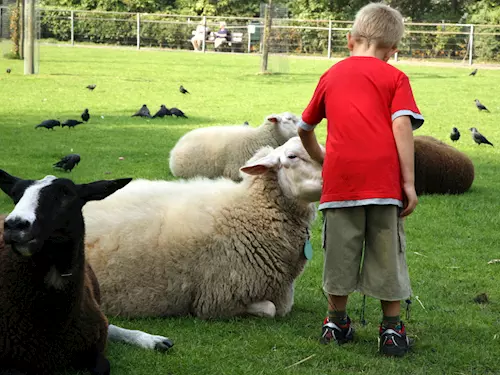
[(246, 123), (68, 162), (455, 135), (177, 112), (473, 73), (162, 112), (86, 115), (91, 87), (183, 90), (8, 70), (48, 124), (480, 106), (143, 112), (478, 137), (71, 123)]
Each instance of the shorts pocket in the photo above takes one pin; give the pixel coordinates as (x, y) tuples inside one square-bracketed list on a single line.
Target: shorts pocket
[(401, 235)]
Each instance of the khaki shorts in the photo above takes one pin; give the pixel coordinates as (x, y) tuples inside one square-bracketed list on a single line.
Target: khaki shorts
[(380, 271)]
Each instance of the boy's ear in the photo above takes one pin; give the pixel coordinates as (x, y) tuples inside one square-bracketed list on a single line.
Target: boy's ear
[(390, 53), (350, 41)]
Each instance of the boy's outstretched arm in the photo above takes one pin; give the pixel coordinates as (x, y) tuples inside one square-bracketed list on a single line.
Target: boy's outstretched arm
[(403, 135), (311, 145)]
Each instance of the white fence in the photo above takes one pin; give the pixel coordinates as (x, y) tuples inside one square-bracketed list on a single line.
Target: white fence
[(463, 42)]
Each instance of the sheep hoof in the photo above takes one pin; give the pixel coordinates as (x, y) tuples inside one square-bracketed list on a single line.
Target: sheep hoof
[(164, 345), (265, 309)]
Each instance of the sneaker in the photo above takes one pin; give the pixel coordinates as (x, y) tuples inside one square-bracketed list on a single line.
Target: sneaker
[(394, 342), (332, 332)]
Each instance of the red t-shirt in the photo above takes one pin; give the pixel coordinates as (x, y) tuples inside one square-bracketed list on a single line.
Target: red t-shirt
[(360, 97)]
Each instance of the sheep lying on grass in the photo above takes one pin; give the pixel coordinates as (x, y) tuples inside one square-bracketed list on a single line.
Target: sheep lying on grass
[(221, 150), (210, 248), (50, 318), (441, 168)]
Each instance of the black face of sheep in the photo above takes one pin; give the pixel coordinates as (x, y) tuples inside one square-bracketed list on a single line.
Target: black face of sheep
[(49, 208)]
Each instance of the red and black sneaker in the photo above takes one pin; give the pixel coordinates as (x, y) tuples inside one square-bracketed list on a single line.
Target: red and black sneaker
[(394, 342), (341, 333)]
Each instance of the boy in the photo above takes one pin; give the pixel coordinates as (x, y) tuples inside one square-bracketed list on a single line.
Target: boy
[(368, 175)]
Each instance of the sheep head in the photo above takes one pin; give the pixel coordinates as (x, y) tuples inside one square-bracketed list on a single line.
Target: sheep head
[(49, 208), (298, 175), (284, 125)]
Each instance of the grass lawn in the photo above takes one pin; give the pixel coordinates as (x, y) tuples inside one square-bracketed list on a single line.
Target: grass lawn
[(450, 238)]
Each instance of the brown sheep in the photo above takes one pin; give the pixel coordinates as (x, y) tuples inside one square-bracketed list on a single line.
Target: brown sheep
[(441, 168)]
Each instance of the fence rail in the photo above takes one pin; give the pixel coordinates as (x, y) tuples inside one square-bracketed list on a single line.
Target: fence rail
[(464, 42)]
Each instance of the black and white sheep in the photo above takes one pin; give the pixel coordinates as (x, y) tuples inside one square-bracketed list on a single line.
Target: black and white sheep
[(209, 248), (50, 317), (441, 168), (220, 151)]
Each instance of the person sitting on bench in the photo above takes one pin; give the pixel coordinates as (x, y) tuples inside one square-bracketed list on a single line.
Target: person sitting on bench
[(222, 36), (201, 32)]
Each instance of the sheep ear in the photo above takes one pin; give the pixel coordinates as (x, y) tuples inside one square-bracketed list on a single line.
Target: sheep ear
[(274, 119), (98, 190), (262, 165), (7, 182)]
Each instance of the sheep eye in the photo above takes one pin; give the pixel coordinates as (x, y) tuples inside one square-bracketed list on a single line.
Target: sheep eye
[(292, 156)]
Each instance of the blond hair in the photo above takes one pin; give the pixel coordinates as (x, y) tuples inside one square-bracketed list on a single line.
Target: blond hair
[(380, 24)]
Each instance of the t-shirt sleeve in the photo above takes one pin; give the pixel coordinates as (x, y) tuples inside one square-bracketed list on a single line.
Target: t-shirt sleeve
[(315, 111), (403, 103)]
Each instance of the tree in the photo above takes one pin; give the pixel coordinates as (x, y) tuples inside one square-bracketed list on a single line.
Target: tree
[(268, 19)]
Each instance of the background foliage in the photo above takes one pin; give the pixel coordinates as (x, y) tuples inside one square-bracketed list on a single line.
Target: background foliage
[(417, 10)]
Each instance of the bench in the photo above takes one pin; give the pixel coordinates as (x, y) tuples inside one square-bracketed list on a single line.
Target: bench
[(235, 41)]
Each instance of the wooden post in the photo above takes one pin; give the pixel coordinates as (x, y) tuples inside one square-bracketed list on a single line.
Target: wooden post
[(471, 43), (138, 31), (203, 43), (249, 44), (266, 37), (330, 39), (20, 9), (29, 37), (72, 27)]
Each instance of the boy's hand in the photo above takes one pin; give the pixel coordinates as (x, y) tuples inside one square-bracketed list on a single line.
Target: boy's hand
[(410, 199)]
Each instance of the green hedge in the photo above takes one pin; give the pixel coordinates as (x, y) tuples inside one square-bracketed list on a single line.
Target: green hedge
[(121, 29)]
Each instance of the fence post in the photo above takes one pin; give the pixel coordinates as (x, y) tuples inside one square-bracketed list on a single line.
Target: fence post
[(72, 27), (203, 43), (330, 39), (138, 31), (471, 43), (249, 44)]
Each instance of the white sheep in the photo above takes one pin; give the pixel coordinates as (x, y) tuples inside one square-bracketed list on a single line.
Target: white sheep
[(209, 248), (220, 151)]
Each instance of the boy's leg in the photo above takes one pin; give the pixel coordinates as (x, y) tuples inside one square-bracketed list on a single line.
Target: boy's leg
[(392, 312), (343, 236), (384, 274)]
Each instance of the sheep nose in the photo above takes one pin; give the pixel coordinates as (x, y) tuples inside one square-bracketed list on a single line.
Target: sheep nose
[(17, 230)]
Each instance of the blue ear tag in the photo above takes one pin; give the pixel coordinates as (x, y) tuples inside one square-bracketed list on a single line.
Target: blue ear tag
[(308, 250)]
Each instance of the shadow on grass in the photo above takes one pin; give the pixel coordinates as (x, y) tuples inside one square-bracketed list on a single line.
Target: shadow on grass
[(417, 75)]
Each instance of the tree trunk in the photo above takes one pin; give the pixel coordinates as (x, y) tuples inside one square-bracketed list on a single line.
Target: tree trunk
[(266, 37), (29, 37)]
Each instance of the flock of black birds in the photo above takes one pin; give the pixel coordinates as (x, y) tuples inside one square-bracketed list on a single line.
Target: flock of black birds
[(162, 112), (68, 162), (476, 135), (51, 124)]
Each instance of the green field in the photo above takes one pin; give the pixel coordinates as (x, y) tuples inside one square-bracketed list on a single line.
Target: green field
[(450, 238)]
